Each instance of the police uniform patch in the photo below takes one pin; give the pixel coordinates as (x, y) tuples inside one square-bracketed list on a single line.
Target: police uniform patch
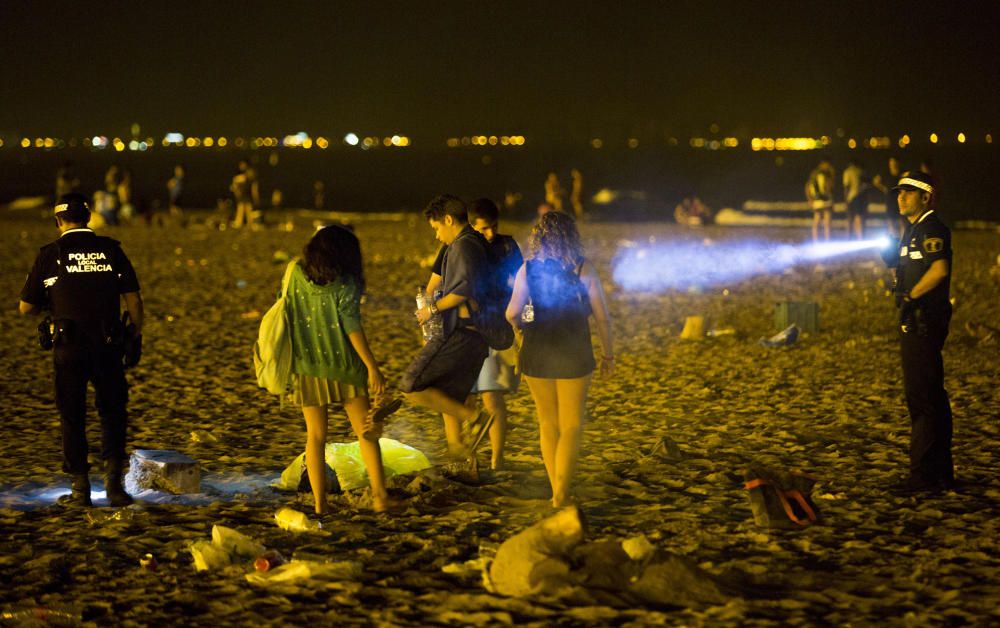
[(933, 245)]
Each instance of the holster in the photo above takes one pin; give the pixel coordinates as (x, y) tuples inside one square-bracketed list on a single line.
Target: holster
[(45, 332), (64, 332)]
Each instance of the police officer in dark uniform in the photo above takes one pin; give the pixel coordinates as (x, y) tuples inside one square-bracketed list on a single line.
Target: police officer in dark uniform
[(80, 278), (923, 278)]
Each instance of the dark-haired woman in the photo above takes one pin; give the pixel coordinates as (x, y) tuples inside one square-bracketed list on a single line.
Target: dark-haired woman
[(331, 360), (557, 358)]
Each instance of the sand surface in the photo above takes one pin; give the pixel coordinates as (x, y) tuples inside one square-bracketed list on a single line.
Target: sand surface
[(831, 405)]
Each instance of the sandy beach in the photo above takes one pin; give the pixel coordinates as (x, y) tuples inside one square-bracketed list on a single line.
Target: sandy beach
[(831, 405)]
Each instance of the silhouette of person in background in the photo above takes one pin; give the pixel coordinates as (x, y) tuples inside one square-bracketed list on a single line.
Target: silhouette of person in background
[(124, 192), (893, 221), (819, 193), (175, 192), (319, 195), (691, 212), (554, 192), (576, 193), (856, 197), (246, 194), (66, 180)]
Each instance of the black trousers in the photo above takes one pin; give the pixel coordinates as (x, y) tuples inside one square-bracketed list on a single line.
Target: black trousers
[(75, 365), (930, 410)]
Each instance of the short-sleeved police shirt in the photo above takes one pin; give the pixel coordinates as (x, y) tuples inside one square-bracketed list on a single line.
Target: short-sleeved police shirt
[(80, 277), (924, 242)]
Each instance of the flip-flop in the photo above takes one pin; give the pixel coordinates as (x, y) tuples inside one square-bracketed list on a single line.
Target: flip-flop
[(484, 425), (378, 414)]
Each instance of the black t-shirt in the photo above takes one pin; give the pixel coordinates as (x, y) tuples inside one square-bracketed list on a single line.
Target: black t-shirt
[(503, 248), (924, 242), (463, 270), (80, 277)]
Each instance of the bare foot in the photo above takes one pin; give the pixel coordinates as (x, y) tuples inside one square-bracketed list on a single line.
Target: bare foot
[(386, 504)]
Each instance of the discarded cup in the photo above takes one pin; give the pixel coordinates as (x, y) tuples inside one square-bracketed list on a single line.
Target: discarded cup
[(694, 328), (148, 562), (269, 560)]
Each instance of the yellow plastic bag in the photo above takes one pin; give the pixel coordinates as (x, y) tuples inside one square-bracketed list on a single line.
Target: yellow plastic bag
[(345, 460)]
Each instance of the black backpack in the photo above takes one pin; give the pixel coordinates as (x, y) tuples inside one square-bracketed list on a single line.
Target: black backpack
[(494, 294)]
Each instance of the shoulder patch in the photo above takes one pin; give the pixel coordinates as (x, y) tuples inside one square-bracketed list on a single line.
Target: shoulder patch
[(933, 245)]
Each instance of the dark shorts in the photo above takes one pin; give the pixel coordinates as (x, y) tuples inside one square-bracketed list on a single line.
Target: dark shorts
[(449, 364), (858, 206)]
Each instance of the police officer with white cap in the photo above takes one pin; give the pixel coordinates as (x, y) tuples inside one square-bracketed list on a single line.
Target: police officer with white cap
[(923, 278), (80, 279)]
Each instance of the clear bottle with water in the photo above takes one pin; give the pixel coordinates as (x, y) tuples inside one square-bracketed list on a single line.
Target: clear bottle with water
[(528, 313), (434, 327)]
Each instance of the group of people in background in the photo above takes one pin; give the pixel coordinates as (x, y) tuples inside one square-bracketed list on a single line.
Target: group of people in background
[(859, 189)]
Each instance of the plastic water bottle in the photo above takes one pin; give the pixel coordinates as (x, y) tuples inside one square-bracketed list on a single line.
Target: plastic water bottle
[(295, 521), (724, 331), (434, 326), (528, 313)]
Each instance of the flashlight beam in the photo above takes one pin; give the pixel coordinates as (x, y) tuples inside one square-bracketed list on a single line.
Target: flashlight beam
[(679, 265)]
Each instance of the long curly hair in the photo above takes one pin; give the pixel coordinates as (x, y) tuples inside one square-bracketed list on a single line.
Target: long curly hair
[(334, 252), (555, 236)]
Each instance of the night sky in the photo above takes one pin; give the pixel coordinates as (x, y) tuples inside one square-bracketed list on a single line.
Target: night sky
[(557, 69)]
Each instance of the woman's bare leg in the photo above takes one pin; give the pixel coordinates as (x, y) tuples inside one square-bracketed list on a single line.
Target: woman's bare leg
[(371, 453), (494, 403), (572, 395), (316, 425), (543, 391)]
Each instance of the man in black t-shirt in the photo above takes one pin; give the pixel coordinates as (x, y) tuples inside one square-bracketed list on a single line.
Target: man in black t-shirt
[(498, 375), (442, 374), (923, 278), (80, 279)]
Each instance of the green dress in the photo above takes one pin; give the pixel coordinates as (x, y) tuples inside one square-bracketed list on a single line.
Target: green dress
[(325, 367)]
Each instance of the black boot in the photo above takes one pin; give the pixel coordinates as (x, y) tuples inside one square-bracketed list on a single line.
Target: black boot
[(113, 483), (80, 495)]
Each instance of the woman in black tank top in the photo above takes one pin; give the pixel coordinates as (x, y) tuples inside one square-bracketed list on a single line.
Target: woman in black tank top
[(563, 291)]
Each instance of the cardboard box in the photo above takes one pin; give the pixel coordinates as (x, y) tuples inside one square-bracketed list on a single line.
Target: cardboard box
[(804, 315)]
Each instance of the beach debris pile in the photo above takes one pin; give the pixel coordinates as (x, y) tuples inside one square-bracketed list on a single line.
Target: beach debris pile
[(163, 469), (550, 559)]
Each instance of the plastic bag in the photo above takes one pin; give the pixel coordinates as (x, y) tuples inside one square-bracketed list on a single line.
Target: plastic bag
[(345, 460)]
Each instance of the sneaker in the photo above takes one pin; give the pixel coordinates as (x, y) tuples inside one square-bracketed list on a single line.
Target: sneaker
[(375, 421)]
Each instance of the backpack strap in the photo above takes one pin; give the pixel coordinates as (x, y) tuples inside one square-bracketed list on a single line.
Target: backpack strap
[(288, 277), (783, 496), (803, 503)]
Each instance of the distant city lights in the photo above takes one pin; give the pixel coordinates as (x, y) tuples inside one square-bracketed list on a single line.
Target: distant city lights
[(302, 140), (485, 140)]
